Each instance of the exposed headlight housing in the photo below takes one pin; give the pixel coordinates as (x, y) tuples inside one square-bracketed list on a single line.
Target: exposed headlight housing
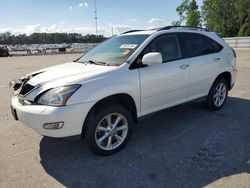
[(58, 96)]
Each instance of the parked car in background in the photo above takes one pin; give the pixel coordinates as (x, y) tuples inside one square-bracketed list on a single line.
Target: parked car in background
[(4, 52), (104, 93)]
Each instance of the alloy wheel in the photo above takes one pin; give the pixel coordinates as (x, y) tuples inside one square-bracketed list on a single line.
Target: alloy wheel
[(111, 131), (220, 94)]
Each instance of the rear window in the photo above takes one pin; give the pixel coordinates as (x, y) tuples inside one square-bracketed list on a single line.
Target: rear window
[(197, 45)]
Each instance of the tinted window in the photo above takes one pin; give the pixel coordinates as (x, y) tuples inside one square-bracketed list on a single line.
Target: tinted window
[(213, 45), (197, 45), (194, 44), (167, 45)]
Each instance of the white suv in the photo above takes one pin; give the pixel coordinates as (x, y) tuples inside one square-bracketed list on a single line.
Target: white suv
[(103, 93)]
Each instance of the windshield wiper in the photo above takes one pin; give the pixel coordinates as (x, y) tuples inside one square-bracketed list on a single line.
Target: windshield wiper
[(98, 63)]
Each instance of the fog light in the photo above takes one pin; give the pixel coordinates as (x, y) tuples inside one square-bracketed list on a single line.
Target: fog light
[(55, 125)]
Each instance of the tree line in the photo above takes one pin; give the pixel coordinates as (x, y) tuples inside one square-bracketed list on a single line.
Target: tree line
[(229, 18), (49, 38)]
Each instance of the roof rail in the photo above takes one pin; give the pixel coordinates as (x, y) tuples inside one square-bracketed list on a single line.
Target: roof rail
[(187, 27), (131, 31)]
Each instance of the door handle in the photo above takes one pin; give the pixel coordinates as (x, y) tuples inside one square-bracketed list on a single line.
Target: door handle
[(183, 67), (217, 59)]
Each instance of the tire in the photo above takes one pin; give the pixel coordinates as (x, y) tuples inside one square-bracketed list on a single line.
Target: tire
[(112, 138), (218, 94)]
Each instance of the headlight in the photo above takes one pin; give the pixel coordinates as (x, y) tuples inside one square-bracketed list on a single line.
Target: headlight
[(58, 96)]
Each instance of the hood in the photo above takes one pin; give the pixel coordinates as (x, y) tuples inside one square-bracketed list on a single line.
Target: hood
[(63, 74)]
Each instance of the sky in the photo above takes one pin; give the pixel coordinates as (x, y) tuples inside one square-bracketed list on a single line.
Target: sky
[(29, 16)]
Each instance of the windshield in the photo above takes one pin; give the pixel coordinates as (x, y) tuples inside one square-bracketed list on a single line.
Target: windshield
[(114, 51)]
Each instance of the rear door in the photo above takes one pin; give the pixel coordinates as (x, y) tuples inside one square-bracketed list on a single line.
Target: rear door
[(204, 60)]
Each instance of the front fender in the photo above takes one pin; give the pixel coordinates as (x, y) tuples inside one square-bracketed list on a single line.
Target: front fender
[(122, 82)]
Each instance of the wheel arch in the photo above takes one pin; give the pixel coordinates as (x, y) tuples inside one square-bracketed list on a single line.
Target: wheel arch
[(227, 76), (123, 99)]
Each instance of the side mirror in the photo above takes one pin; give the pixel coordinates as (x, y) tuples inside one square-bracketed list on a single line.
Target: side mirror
[(153, 58)]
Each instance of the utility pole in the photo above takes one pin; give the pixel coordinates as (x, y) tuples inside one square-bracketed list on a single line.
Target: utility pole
[(96, 28)]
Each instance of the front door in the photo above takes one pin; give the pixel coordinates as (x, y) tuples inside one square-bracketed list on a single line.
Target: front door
[(166, 84)]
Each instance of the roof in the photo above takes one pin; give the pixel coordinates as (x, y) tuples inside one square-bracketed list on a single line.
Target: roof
[(139, 32), (167, 28)]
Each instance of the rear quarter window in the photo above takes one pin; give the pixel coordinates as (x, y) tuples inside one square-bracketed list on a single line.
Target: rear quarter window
[(197, 45), (213, 45)]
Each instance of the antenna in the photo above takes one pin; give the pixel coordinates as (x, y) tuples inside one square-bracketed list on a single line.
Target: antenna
[(96, 28)]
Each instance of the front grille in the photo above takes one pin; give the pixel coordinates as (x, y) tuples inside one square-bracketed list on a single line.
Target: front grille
[(26, 89)]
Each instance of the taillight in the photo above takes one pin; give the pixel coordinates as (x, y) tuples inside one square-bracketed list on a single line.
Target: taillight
[(234, 53)]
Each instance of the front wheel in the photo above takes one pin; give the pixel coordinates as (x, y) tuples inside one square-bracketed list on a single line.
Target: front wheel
[(218, 94), (109, 130)]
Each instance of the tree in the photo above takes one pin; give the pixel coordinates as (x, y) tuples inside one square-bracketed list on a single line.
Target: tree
[(219, 16), (245, 28), (229, 18), (243, 16), (49, 38), (193, 15), (188, 11), (181, 10)]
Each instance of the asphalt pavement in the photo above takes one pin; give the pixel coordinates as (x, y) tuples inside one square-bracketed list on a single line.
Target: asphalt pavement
[(184, 146)]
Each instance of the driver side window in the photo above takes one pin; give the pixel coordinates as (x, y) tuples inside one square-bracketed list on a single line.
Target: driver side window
[(167, 45)]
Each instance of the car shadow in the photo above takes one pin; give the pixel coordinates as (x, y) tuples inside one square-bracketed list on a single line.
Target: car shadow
[(184, 146)]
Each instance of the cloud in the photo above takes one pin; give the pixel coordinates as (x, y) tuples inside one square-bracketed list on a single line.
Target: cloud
[(57, 28), (121, 28), (83, 5), (5, 30), (156, 23), (70, 8), (82, 30), (50, 29), (29, 29)]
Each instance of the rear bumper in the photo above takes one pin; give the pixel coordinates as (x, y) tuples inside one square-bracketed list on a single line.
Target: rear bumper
[(234, 74), (35, 116)]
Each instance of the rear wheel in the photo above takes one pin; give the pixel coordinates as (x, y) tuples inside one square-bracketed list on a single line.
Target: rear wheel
[(109, 130), (218, 94)]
